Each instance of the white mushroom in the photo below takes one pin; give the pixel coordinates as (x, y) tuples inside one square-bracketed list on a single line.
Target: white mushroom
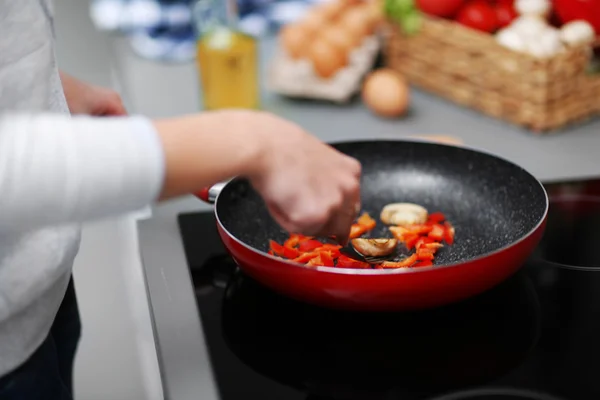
[(374, 247), (576, 33), (529, 26), (547, 44), (533, 35), (533, 7), (511, 39), (403, 214)]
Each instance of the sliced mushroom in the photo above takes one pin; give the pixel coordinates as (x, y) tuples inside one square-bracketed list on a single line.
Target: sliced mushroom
[(403, 214), (374, 247)]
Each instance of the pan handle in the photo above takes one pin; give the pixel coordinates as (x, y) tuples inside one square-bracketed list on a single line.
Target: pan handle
[(209, 194)]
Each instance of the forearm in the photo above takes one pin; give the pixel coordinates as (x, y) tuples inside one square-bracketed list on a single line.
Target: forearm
[(56, 169), (203, 149)]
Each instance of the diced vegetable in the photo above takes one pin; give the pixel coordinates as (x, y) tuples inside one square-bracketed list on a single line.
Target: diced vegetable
[(309, 245), (425, 238)]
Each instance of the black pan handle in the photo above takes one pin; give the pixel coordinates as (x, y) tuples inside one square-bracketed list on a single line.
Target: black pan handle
[(210, 194)]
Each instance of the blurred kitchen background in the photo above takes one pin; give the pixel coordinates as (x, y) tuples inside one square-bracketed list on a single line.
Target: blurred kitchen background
[(163, 29)]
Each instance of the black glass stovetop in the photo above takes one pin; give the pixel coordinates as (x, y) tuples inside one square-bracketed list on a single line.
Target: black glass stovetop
[(534, 337)]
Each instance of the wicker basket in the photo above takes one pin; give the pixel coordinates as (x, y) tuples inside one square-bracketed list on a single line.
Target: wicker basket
[(472, 69)]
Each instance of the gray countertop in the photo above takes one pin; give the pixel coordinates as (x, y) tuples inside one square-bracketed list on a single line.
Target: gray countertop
[(181, 347)]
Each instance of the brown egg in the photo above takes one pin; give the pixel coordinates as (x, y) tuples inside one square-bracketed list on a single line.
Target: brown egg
[(331, 9), (294, 39), (386, 93), (351, 3), (339, 37), (374, 14), (356, 22), (314, 20), (326, 58)]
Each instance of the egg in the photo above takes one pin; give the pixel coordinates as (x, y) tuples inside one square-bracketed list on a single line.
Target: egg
[(386, 93), (372, 15), (314, 20), (375, 11), (294, 39), (326, 58), (339, 37), (356, 22), (331, 9)]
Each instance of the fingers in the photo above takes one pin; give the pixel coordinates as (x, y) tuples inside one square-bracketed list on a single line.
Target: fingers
[(341, 219), (328, 211), (115, 106)]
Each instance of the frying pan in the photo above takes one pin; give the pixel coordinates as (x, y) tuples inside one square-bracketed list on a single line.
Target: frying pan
[(498, 209)]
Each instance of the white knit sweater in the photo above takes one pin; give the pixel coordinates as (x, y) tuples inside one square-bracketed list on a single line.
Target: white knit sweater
[(55, 172)]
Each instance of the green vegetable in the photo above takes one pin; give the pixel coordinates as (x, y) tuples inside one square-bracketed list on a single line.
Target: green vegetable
[(405, 13)]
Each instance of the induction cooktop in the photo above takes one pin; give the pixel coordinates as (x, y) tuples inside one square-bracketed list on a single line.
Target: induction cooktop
[(533, 337)]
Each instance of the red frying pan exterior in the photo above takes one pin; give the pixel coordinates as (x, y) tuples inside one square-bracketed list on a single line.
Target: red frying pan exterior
[(393, 291), (380, 290)]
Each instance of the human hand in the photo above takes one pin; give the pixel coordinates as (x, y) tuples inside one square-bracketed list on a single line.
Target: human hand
[(308, 186), (84, 98)]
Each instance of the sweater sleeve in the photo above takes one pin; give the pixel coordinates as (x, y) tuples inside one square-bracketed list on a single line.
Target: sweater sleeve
[(58, 169)]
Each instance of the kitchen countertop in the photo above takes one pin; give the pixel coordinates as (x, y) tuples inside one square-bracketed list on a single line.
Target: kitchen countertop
[(180, 342)]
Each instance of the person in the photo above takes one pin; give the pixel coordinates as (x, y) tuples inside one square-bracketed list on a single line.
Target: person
[(58, 170)]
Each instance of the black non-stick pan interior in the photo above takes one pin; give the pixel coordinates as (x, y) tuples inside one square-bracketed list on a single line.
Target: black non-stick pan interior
[(491, 202)]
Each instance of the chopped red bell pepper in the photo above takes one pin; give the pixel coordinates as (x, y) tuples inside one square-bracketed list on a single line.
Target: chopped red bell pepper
[(436, 217), (366, 221), (276, 248), (423, 241), (420, 229), (290, 254), (399, 232), (433, 246), (347, 262), (357, 230), (449, 233), (411, 240), (437, 232), (327, 259), (407, 262), (331, 248), (294, 239), (304, 258), (309, 245), (425, 254), (425, 238), (315, 261)]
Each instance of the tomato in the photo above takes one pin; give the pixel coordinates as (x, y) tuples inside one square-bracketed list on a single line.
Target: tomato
[(505, 13), (570, 10), (478, 15), (440, 8)]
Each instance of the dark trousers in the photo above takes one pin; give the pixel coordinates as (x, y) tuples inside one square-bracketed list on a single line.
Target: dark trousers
[(48, 373)]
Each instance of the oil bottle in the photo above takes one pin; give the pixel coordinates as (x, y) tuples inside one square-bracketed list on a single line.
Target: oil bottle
[(227, 59)]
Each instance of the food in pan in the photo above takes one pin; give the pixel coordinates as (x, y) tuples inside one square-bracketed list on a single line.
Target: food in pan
[(403, 214), (423, 234), (374, 247)]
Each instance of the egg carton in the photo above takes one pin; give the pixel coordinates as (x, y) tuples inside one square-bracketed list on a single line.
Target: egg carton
[(297, 78)]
